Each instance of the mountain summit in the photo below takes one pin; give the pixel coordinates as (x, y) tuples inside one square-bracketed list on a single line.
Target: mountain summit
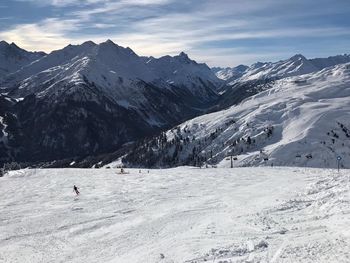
[(12, 58)]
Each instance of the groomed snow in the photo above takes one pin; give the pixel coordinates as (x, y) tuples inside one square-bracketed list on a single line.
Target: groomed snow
[(175, 215)]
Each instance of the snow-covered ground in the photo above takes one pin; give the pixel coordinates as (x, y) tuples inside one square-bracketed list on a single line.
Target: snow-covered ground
[(176, 215)]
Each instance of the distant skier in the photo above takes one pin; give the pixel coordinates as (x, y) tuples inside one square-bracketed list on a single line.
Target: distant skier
[(75, 188)]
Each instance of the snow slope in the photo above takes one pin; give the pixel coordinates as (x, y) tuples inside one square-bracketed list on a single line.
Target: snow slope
[(177, 215), (299, 121)]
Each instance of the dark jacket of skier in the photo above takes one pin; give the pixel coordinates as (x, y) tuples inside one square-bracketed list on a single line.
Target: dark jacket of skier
[(76, 190)]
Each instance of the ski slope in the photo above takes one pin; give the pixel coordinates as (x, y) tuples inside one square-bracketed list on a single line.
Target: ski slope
[(177, 215)]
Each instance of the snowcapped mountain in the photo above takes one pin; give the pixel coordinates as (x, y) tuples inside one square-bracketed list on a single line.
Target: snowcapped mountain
[(230, 73), (298, 121), (294, 66), (88, 99), (12, 58), (110, 67), (182, 71), (242, 81)]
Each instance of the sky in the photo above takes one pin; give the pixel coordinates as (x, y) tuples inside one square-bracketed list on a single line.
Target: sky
[(217, 32)]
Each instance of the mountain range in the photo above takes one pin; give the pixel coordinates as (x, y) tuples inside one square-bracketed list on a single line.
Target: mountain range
[(93, 98), (294, 66), (90, 100)]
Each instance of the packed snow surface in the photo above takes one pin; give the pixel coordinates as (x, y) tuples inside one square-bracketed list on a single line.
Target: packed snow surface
[(176, 215)]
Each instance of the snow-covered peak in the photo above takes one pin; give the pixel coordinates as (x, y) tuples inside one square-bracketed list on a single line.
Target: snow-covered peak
[(241, 68), (14, 45), (3, 44), (259, 65), (296, 65), (181, 70), (181, 58), (56, 59), (112, 49), (230, 73), (13, 50), (109, 42), (298, 57), (12, 58), (89, 44), (184, 56)]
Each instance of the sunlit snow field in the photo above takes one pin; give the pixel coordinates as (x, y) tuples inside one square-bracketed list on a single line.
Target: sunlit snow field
[(175, 215)]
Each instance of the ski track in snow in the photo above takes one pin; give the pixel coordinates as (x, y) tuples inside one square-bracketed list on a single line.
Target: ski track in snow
[(175, 215)]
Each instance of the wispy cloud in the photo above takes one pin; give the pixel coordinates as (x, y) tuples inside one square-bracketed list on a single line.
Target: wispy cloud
[(46, 36), (62, 3), (82, 3)]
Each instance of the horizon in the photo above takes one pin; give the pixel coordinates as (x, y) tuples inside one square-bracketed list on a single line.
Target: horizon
[(189, 55), (224, 34)]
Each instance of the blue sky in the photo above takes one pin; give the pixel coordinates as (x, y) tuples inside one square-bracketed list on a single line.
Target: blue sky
[(220, 33)]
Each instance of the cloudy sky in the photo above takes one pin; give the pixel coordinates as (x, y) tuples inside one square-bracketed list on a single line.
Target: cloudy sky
[(218, 32)]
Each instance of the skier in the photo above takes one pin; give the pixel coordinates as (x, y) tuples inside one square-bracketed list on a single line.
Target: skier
[(76, 190)]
